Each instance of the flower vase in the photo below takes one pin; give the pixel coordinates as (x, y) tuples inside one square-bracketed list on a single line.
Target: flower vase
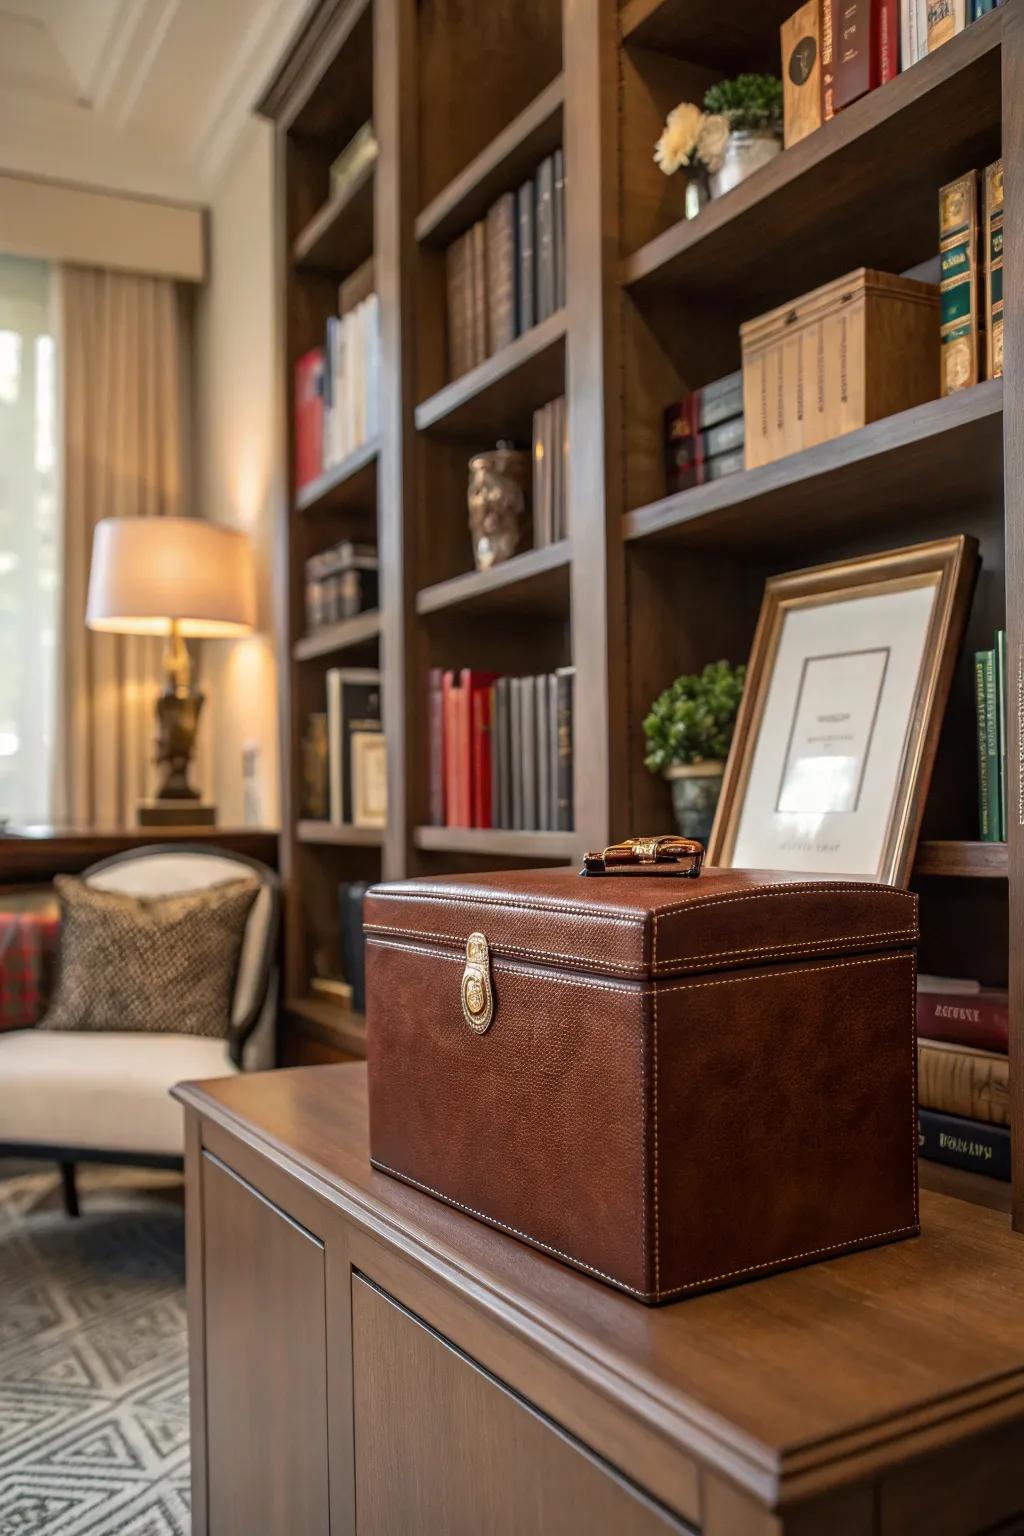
[(695, 791), (746, 150), (698, 190)]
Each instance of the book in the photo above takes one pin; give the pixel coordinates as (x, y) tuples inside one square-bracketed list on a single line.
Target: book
[(724, 464), (545, 239), (368, 751), (945, 19), (1002, 683), (476, 763), (435, 738), (457, 279), (360, 151), (528, 750), (525, 304), (695, 455), (993, 766), (558, 469), (980, 1019), (801, 72), (353, 705), (516, 752), (856, 38), (559, 163), (540, 713), (358, 286), (829, 14), (888, 13), (565, 678), (962, 1080), (960, 341), (986, 822), (501, 273), (963, 1143), (542, 519), (351, 894), (502, 733), (909, 47), (450, 707), (994, 270), (309, 417), (478, 287)]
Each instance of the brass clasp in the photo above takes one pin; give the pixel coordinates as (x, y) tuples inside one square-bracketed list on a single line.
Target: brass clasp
[(477, 992), (666, 855)]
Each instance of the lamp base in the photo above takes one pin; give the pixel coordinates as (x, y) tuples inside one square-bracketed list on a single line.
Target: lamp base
[(176, 813)]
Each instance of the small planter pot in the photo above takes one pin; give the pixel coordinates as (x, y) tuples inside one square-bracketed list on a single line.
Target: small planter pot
[(695, 791), (698, 191), (746, 151)]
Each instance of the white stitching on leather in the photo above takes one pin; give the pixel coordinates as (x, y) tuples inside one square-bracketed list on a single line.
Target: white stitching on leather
[(386, 893), (783, 888), (851, 1244), (770, 951), (655, 1117)]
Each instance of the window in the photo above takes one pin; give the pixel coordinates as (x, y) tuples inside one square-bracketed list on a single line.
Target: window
[(29, 540)]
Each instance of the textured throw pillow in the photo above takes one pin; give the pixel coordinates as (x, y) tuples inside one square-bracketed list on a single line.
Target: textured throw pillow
[(155, 964)]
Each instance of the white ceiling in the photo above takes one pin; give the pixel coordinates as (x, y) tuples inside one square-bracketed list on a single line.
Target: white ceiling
[(135, 95)]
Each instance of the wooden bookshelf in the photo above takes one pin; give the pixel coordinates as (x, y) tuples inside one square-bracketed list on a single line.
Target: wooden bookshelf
[(333, 835), (647, 585), (348, 635)]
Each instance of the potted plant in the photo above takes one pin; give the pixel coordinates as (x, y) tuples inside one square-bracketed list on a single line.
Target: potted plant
[(688, 733), (738, 130)]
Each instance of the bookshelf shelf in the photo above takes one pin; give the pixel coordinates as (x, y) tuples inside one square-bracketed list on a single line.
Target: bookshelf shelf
[(860, 191), (508, 160), (328, 833), (970, 861), (350, 483), (741, 35), (944, 454), (501, 394), (364, 629), (492, 842), (964, 1185), (536, 581), (340, 235), (338, 1028)]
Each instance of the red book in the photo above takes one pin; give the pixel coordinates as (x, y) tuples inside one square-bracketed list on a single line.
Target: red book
[(450, 715), (435, 728), (979, 1019), (309, 417), (888, 40), (476, 687), (856, 36)]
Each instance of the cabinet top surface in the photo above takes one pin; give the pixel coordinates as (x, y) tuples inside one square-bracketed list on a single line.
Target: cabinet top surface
[(799, 1374)]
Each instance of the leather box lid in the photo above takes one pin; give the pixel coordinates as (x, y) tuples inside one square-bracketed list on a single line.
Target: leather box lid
[(637, 927)]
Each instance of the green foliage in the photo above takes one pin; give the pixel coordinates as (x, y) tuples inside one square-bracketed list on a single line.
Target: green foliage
[(693, 720), (749, 101)]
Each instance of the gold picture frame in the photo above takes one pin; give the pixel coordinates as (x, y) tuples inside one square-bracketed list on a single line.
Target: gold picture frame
[(935, 581)]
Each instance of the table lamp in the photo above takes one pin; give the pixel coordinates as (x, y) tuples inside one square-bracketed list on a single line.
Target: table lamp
[(182, 578)]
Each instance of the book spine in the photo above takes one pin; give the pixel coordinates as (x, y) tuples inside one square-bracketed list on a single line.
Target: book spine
[(501, 277), (723, 408), (501, 715), (961, 1081), (526, 312), (724, 438), (908, 34), (945, 19), (992, 747), (564, 677), (545, 238), (963, 1143), (335, 748), (492, 706), (451, 804), (560, 284), (552, 709), (958, 288), (480, 710), (856, 40), (829, 14), (1002, 684), (801, 72), (994, 269), (984, 789), (479, 292), (539, 531), (456, 277), (516, 751), (435, 726), (982, 1022), (540, 713), (528, 747), (888, 41), (724, 464), (558, 470)]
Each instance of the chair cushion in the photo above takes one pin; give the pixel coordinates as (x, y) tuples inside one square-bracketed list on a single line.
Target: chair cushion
[(106, 1092), (29, 937), (159, 964)]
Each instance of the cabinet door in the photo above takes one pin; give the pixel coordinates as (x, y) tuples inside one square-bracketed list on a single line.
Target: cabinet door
[(266, 1365), (443, 1447)]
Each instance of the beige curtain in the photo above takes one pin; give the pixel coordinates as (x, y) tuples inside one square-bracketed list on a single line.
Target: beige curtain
[(121, 358)]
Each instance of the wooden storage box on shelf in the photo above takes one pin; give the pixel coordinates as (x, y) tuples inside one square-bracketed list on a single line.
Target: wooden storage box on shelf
[(851, 352)]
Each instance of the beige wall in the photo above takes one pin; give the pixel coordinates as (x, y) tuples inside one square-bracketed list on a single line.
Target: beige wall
[(236, 439)]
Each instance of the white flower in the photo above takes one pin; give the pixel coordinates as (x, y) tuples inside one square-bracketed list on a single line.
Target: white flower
[(679, 137), (712, 139)]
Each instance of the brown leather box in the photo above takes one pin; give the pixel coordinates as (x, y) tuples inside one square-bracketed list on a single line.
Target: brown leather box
[(672, 1084)]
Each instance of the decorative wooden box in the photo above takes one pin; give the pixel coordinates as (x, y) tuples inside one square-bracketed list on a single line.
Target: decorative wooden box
[(860, 348)]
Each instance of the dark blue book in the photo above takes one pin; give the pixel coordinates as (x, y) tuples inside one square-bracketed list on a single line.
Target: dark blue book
[(970, 1144)]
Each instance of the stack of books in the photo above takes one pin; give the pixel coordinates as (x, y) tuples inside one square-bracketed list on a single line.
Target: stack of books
[(336, 392), (501, 750), (550, 473), (836, 51), (508, 271), (340, 583), (704, 434), (971, 287), (990, 712), (963, 1075)]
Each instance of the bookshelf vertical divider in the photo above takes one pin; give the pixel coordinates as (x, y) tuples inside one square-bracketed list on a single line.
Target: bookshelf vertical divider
[(647, 586)]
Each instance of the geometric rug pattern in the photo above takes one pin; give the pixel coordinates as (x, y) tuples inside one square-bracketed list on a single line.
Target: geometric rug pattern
[(93, 1358)]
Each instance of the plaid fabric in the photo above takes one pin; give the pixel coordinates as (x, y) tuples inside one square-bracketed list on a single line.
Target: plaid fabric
[(28, 953)]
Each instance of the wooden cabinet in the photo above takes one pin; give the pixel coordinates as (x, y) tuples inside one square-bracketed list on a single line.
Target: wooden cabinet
[(369, 1362)]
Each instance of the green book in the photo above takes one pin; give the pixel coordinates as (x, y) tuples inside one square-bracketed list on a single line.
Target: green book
[(987, 832), (1001, 732)]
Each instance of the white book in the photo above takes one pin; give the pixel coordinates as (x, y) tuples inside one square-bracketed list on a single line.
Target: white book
[(351, 381), (335, 745), (372, 366)]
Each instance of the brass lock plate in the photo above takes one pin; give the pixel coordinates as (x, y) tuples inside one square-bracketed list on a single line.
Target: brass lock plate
[(477, 993)]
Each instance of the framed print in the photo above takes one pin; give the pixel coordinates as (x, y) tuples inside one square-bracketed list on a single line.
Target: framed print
[(836, 735), (369, 779)]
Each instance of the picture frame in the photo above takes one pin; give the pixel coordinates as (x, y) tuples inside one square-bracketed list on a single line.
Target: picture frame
[(836, 735), (369, 779)]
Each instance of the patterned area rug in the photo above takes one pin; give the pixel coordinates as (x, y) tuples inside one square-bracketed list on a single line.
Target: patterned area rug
[(93, 1365)]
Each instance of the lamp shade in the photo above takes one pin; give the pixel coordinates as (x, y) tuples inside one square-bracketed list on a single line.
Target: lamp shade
[(148, 572)]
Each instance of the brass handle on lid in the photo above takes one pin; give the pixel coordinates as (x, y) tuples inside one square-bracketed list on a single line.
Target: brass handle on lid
[(666, 855)]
